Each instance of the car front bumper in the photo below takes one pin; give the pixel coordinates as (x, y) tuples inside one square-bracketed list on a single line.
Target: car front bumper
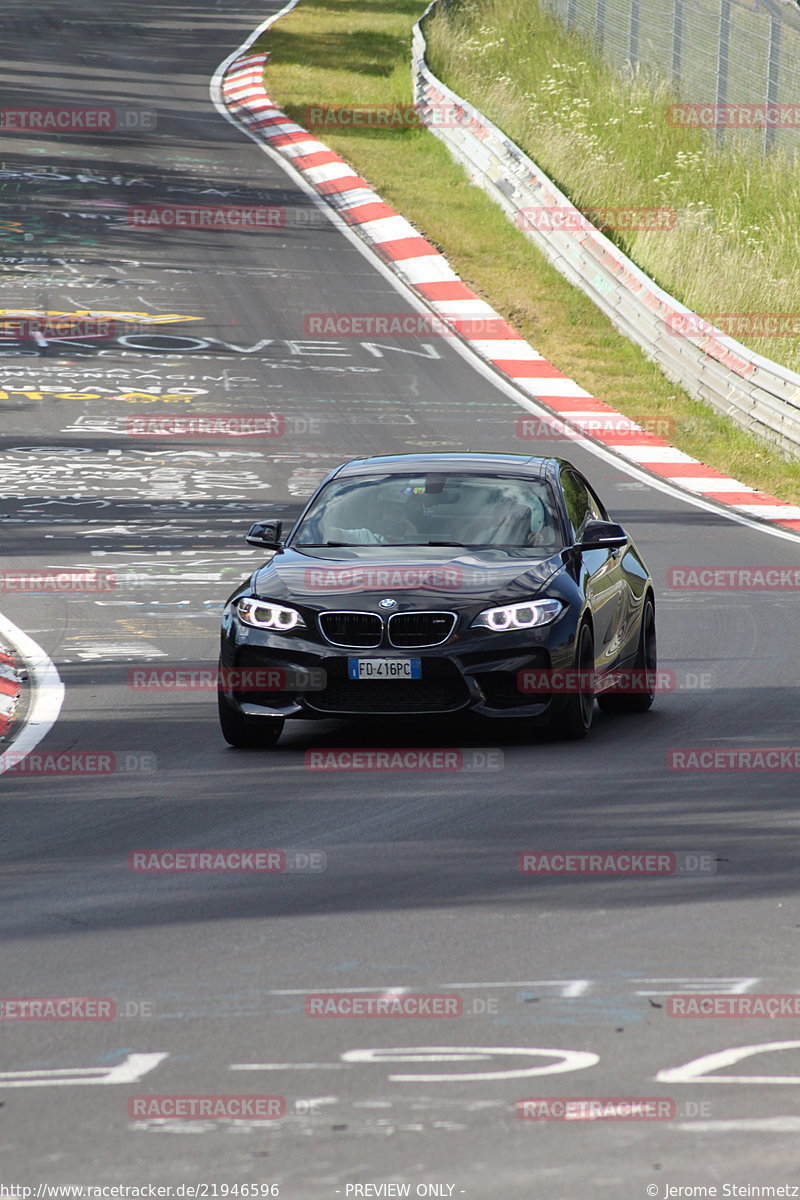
[(476, 672)]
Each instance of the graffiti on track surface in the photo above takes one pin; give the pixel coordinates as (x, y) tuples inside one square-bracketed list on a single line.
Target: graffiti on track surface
[(81, 472)]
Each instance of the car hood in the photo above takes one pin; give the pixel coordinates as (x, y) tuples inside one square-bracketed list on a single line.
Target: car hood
[(415, 577)]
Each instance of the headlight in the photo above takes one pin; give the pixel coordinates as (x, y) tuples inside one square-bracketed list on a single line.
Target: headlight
[(265, 615), (518, 616)]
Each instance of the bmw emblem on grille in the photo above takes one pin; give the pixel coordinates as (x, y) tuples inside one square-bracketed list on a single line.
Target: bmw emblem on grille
[(387, 603)]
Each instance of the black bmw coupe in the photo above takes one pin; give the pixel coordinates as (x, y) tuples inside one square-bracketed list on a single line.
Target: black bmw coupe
[(428, 584)]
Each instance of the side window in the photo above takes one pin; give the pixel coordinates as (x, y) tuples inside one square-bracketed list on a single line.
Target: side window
[(598, 513), (580, 505)]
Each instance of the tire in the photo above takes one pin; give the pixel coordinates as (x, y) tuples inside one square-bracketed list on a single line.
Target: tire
[(574, 721), (646, 660), (247, 732)]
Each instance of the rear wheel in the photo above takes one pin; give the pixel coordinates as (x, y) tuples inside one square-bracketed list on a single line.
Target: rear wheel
[(574, 721), (245, 732), (644, 671)]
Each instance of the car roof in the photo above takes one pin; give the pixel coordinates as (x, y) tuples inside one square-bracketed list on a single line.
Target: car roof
[(474, 462)]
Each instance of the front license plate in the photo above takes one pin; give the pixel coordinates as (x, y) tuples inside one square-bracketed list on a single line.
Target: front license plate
[(384, 668)]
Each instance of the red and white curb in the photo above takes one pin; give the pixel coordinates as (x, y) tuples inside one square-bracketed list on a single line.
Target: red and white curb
[(429, 274), (10, 689), (25, 661)]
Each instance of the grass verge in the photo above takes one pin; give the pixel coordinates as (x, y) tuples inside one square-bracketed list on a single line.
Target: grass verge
[(343, 52), (607, 139)]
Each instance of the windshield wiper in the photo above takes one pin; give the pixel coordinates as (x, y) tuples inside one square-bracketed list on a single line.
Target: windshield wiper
[(316, 545)]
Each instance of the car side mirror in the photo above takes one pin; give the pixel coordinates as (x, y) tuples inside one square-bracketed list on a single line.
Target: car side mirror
[(599, 535), (266, 535)]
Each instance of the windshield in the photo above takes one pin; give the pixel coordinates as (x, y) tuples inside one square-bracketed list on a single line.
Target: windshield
[(425, 510)]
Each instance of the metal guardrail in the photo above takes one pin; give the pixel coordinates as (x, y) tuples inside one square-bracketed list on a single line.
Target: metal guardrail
[(760, 395)]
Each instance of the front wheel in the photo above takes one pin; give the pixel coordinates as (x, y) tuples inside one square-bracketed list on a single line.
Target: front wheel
[(644, 671), (247, 732), (574, 721)]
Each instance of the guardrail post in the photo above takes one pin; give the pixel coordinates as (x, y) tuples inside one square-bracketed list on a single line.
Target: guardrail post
[(772, 76), (677, 41), (722, 63), (600, 23), (634, 42)]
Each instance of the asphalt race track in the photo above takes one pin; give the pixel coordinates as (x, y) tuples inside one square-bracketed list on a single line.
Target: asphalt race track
[(405, 882)]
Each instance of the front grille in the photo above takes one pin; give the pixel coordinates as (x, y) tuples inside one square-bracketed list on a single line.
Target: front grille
[(352, 628), (418, 629), (441, 689)]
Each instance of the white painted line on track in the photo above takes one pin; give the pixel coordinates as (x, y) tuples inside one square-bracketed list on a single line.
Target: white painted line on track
[(701, 1070), (130, 1070), (287, 1067), (787, 1124), (571, 1060), (568, 1060), (572, 987), (345, 991)]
